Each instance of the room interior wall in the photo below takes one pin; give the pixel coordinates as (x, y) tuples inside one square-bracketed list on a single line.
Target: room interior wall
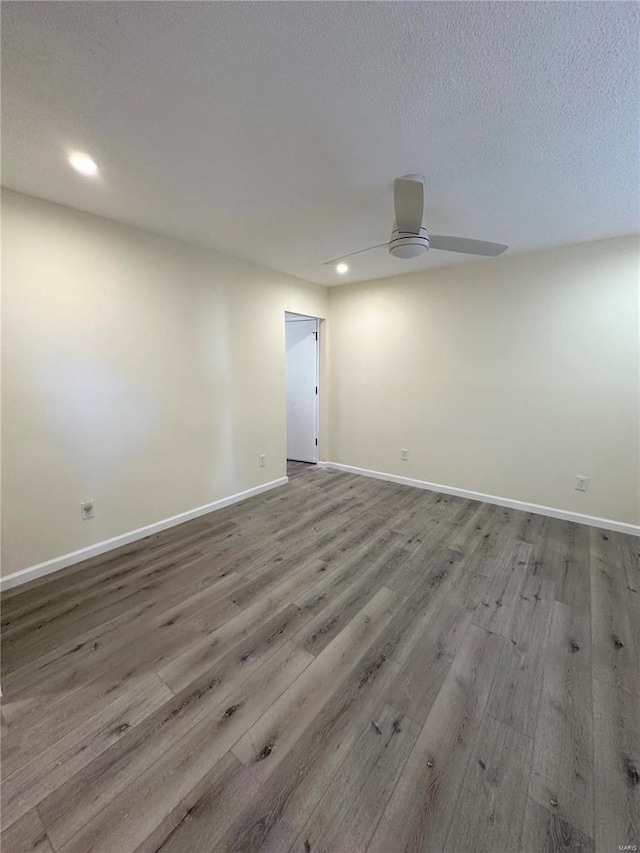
[(148, 375), (506, 377), (140, 372)]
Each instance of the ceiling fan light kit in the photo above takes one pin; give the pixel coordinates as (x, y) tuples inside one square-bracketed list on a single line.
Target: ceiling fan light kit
[(409, 238), (403, 244)]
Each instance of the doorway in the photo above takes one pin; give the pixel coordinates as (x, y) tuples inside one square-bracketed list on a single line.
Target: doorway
[(302, 349)]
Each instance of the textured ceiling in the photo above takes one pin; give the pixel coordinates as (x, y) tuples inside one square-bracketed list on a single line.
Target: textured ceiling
[(273, 131)]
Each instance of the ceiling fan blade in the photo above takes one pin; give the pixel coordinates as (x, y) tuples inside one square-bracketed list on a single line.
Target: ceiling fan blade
[(408, 201), (351, 254), (467, 247)]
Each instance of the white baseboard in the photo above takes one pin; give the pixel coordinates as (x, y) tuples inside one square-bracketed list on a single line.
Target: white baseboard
[(42, 569), (46, 568), (566, 515)]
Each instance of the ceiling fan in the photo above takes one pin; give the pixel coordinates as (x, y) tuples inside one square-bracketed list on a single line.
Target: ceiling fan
[(409, 237)]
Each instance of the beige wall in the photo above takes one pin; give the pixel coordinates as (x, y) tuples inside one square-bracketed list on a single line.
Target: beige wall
[(506, 377), (149, 375), (138, 371)]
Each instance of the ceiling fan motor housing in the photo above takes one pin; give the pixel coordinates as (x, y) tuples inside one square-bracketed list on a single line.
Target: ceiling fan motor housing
[(407, 244)]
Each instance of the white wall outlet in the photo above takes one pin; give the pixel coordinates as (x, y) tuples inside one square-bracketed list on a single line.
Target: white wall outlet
[(262, 460), (582, 483), (404, 454), (86, 508)]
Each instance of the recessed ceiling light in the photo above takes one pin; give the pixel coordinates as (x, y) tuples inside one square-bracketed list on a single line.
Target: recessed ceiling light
[(84, 164), (341, 269)]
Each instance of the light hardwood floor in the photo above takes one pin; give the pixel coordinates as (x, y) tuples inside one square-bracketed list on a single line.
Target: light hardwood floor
[(340, 665)]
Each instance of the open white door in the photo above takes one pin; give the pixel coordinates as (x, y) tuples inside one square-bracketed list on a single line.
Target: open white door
[(302, 389)]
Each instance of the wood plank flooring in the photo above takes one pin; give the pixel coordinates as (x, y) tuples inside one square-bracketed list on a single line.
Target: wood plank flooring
[(342, 665), (297, 469)]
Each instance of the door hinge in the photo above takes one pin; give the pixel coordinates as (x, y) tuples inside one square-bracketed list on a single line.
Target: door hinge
[(316, 389), (316, 335), (316, 442)]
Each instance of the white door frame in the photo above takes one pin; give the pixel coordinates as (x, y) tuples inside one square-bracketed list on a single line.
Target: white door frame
[(292, 317)]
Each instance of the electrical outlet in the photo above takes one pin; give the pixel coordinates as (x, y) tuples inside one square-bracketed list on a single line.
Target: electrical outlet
[(262, 460), (86, 508), (404, 454), (582, 483)]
